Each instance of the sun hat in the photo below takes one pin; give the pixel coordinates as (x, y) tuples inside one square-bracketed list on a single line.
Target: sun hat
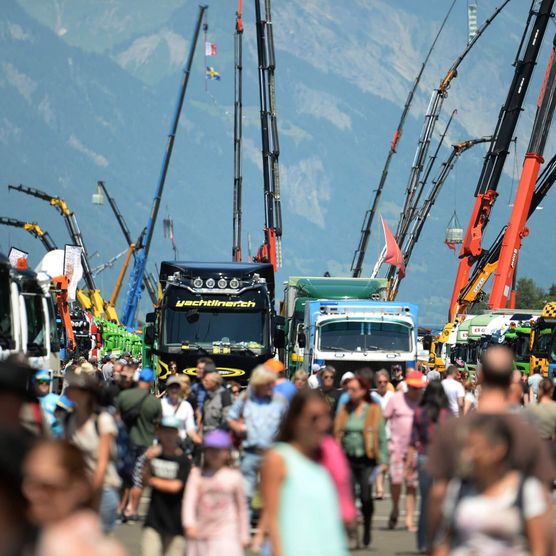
[(218, 439), (170, 422), (347, 376), (174, 379), (416, 379), (146, 375)]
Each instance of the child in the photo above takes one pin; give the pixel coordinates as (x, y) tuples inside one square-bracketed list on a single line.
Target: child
[(64, 407), (165, 471), (214, 507)]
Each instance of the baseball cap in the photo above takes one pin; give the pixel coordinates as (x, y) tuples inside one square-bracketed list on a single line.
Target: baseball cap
[(218, 439), (275, 365), (347, 376), (170, 422), (43, 374), (416, 379), (173, 380), (146, 375), (315, 367), (65, 403)]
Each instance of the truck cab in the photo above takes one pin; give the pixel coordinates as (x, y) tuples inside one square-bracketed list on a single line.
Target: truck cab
[(352, 334)]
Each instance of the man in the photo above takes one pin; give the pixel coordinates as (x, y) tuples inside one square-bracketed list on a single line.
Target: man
[(217, 403), (108, 367), (284, 387), (198, 393), (344, 397), (399, 414), (165, 471), (46, 398), (528, 453), (328, 389), (127, 376), (141, 413), (454, 390), (255, 418), (533, 382)]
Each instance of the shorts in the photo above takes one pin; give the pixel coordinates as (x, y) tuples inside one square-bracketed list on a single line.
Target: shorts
[(135, 477), (397, 470)]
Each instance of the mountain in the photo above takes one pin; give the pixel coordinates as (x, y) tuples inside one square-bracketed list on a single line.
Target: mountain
[(89, 89)]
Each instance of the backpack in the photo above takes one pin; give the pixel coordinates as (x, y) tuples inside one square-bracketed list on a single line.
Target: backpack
[(130, 416)]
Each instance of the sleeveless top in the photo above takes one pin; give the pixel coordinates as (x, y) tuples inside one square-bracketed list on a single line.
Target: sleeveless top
[(309, 518)]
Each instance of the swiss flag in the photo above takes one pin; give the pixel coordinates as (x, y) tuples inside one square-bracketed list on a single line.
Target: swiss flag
[(393, 253)]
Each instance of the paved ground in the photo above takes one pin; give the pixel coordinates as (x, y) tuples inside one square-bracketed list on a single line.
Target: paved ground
[(398, 542)]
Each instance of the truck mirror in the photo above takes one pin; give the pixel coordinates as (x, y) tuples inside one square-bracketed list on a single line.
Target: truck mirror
[(150, 317), (148, 334), (279, 338), (301, 339), (427, 342)]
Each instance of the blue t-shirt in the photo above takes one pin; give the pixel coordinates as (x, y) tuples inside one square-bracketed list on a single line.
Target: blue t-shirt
[(48, 405), (286, 389)]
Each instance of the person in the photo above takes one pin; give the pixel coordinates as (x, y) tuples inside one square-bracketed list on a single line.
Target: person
[(300, 379), (294, 483), (46, 398), (165, 471), (61, 499), (217, 403), (399, 412), (94, 434), (359, 428), (64, 408), (235, 389), (328, 389), (544, 414), (254, 419), (469, 400), (163, 380), (447, 450), (397, 377), (454, 391), (382, 396), (175, 404), (495, 509), (141, 412), (198, 392), (284, 387), (127, 377), (214, 507), (344, 396), (432, 410), (533, 381), (108, 367)]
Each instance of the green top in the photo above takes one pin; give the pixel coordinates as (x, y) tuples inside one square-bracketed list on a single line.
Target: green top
[(142, 432), (545, 417), (308, 499), (353, 441)]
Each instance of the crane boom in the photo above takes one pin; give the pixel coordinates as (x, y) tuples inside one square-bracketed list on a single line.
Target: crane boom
[(361, 251), (271, 250), (238, 131), (33, 228), (71, 224), (486, 191), (516, 230), (134, 294)]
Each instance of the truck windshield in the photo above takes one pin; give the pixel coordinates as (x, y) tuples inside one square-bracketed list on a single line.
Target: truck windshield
[(365, 336), (35, 323), (241, 321)]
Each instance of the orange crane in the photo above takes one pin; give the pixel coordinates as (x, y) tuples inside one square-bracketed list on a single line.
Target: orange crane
[(60, 285), (517, 229)]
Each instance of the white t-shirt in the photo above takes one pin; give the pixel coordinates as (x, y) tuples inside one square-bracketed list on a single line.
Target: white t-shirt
[(454, 391), (183, 412)]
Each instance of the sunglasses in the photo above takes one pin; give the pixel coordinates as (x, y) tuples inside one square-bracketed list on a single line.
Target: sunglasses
[(328, 377), (43, 382), (382, 382)]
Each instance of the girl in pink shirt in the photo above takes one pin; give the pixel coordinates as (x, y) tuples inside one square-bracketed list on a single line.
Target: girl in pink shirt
[(214, 509)]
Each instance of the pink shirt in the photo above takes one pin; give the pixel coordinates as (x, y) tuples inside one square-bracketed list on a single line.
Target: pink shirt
[(399, 413)]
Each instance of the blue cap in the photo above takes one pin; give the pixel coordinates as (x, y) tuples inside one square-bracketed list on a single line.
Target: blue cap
[(65, 403), (146, 375), (43, 374), (171, 422)]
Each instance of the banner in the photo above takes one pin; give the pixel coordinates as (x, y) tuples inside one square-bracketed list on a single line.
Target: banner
[(16, 254), (73, 269), (472, 21), (210, 49)]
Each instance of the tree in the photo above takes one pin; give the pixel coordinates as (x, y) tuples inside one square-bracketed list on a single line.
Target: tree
[(551, 295), (529, 295)]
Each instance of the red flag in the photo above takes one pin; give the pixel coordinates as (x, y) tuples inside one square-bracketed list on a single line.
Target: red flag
[(451, 245), (393, 253)]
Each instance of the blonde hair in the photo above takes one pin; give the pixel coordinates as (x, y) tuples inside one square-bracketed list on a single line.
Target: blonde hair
[(185, 383), (301, 374), (262, 375), (84, 368)]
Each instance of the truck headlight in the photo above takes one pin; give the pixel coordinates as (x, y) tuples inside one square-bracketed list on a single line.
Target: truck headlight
[(210, 283), (222, 283), (234, 283), (198, 283)]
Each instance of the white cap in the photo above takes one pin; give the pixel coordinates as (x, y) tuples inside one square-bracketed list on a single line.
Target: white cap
[(313, 382), (315, 368), (347, 376)]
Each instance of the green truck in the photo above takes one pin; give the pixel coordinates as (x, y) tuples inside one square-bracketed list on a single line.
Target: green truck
[(301, 289)]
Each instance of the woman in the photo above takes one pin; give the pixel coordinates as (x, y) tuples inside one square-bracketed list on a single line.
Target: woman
[(235, 389), (432, 409), (469, 400), (301, 505), (544, 413), (61, 501), (496, 510), (175, 404), (94, 433), (382, 395), (359, 428), (300, 379)]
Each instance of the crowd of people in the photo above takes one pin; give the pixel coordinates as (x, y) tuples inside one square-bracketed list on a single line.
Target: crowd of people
[(227, 468)]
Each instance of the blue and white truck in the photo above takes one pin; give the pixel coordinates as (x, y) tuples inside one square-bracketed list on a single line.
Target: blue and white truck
[(351, 334)]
